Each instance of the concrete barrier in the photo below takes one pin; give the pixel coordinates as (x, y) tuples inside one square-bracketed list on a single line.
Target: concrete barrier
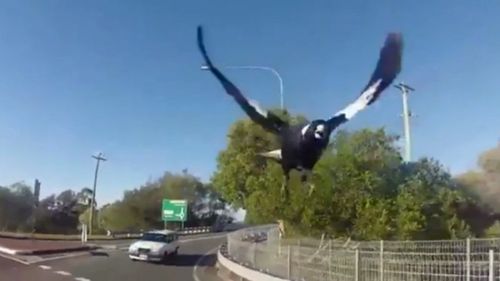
[(243, 272)]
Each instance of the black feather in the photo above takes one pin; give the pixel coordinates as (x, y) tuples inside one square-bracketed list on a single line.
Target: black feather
[(303, 145), (388, 64), (269, 121)]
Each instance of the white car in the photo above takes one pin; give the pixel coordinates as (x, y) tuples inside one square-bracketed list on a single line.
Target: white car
[(154, 246)]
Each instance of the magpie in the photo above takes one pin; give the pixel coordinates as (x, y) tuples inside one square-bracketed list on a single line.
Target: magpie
[(302, 145)]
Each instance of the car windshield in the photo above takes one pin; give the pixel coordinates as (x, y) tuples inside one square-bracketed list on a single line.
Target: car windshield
[(156, 237)]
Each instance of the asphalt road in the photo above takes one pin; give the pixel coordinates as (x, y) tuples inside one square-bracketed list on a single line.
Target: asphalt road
[(194, 262)]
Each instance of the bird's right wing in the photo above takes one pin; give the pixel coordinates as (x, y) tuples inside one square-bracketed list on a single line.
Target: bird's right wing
[(266, 119), (388, 67)]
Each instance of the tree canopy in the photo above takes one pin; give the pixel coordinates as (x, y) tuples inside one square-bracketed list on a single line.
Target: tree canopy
[(141, 208), (138, 209), (364, 190), (484, 182)]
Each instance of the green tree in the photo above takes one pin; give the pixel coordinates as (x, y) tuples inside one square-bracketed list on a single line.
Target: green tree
[(16, 207), (363, 189), (245, 179), (483, 186), (485, 181), (141, 208), (493, 231)]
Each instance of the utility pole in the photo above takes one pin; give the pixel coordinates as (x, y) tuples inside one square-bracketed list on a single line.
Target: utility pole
[(36, 202), (405, 90), (99, 158)]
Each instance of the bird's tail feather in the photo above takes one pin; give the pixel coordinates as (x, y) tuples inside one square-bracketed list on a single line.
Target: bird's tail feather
[(274, 154)]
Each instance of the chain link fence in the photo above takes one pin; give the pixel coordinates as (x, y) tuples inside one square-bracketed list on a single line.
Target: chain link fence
[(262, 249)]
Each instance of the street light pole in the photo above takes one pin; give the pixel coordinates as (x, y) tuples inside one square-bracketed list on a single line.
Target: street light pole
[(265, 68), (99, 158), (405, 90)]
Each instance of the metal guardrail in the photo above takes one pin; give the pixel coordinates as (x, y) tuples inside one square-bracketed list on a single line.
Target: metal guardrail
[(260, 248), (195, 230)]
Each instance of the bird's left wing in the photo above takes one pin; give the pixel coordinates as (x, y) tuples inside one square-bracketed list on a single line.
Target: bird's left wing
[(266, 119), (388, 67)]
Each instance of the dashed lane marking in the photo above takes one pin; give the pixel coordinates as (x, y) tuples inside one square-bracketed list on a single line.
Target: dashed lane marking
[(59, 257), (82, 279), (44, 267), (65, 273)]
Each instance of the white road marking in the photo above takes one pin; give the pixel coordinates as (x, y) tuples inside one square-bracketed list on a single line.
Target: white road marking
[(8, 251), (59, 257), (82, 279), (65, 273), (195, 276), (14, 259), (86, 253), (45, 267)]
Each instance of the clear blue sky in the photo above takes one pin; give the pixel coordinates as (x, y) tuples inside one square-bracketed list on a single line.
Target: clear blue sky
[(122, 77)]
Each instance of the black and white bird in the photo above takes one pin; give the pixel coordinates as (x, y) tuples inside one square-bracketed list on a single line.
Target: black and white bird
[(302, 145)]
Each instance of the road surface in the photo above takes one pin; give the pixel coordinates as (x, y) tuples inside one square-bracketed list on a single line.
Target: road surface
[(194, 262)]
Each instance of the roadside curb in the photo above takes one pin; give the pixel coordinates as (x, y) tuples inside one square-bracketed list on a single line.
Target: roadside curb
[(7, 251), (237, 271), (47, 251)]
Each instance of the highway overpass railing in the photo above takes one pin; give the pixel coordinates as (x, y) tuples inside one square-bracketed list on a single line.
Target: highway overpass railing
[(260, 249)]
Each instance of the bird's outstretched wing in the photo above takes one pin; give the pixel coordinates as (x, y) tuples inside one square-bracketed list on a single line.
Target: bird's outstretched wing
[(266, 119), (388, 67)]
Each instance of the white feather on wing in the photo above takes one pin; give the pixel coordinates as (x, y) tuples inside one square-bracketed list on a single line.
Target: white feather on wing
[(361, 102)]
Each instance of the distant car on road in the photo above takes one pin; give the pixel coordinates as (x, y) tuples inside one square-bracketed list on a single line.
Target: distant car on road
[(155, 246)]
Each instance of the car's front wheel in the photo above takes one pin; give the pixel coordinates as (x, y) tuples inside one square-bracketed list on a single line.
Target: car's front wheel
[(165, 257)]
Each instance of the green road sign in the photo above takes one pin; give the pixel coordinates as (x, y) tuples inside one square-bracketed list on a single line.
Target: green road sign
[(174, 210)]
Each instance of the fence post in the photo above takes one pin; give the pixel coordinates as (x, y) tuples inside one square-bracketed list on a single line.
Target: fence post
[(289, 262), (467, 260), (279, 245), (254, 254), (381, 260), (491, 268), (356, 265), (298, 261), (330, 260)]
